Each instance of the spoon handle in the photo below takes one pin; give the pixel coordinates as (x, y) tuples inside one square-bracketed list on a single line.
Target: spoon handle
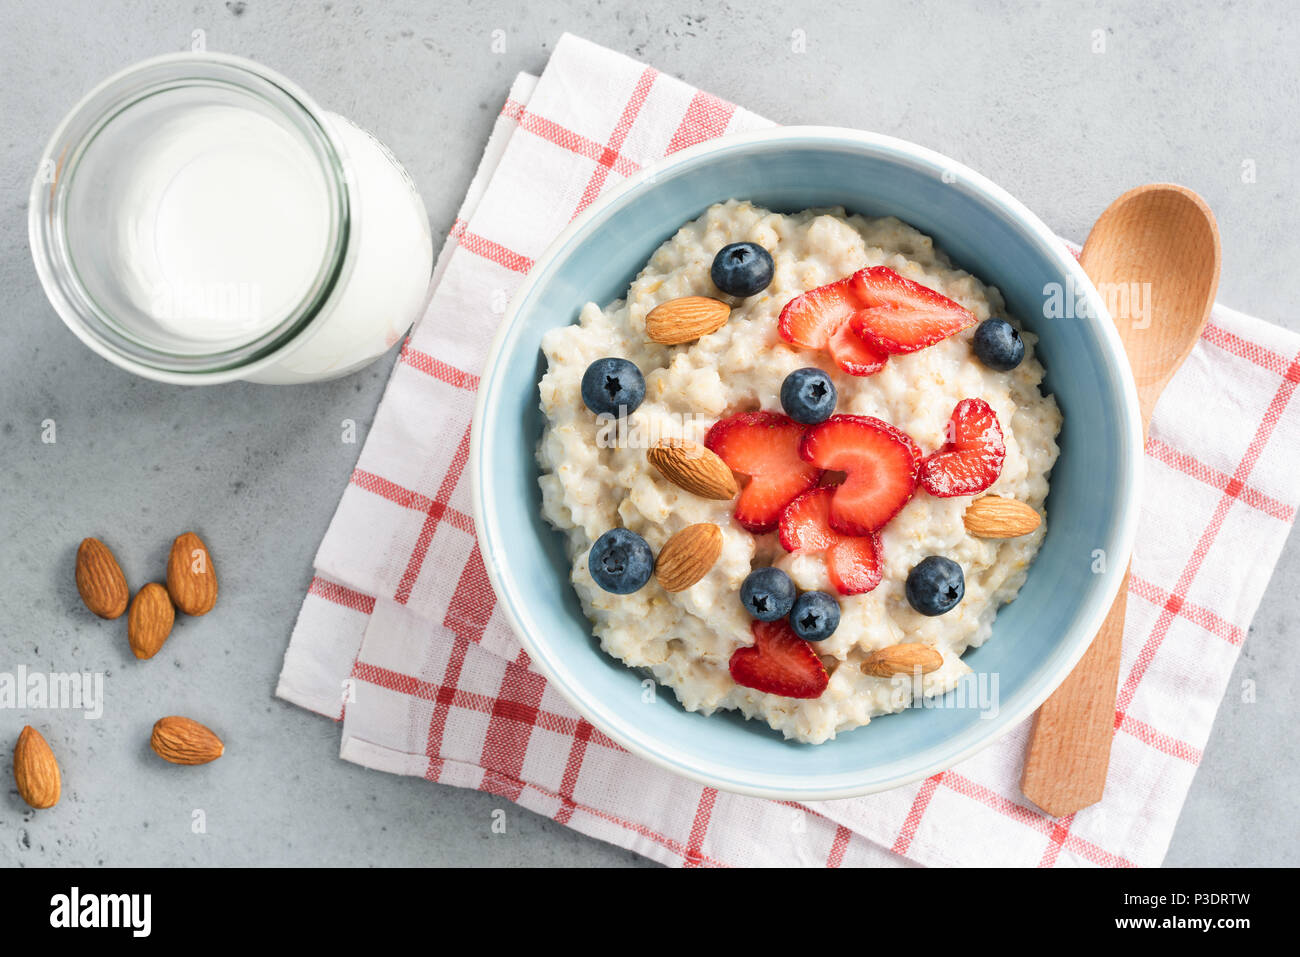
[(1069, 745)]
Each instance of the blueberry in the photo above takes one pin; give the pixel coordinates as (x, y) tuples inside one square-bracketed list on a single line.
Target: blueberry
[(609, 384), (620, 561), (998, 345), (935, 585), (742, 269), (767, 593), (808, 395), (815, 616)]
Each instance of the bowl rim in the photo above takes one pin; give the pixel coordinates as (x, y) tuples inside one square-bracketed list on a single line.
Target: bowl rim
[(1130, 458)]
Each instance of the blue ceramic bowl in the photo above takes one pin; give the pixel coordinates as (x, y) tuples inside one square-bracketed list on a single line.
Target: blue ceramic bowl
[(1093, 503)]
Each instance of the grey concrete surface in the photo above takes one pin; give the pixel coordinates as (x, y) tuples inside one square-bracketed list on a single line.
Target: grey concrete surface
[(1183, 91)]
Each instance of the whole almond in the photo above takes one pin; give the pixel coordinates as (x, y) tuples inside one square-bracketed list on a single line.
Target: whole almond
[(694, 468), (902, 660), (35, 771), (191, 576), (100, 580), (995, 517), (149, 621), (686, 319), (184, 741), (688, 556)]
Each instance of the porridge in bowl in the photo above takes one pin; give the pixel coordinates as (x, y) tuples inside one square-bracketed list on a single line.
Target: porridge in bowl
[(798, 467)]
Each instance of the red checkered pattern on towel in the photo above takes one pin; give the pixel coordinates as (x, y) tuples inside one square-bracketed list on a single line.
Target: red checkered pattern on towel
[(400, 636)]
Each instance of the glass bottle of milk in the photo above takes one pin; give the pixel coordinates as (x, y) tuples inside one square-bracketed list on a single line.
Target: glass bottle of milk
[(197, 219)]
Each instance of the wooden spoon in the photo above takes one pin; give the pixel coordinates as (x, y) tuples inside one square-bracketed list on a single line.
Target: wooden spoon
[(1161, 238)]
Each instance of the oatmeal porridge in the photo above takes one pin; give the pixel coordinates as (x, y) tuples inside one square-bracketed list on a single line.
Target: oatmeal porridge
[(742, 496)]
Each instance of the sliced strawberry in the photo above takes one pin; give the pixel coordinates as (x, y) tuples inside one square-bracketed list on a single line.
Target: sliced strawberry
[(819, 319), (881, 463), (805, 522), (779, 662), (853, 355), (764, 446), (853, 562), (809, 319), (971, 460), (899, 315)]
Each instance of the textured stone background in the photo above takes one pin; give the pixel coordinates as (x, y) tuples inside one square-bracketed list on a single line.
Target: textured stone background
[(1184, 91)]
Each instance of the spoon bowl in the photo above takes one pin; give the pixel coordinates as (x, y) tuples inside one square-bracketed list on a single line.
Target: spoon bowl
[(1154, 255)]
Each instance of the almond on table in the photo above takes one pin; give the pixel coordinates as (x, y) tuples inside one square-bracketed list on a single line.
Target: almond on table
[(36, 772), (149, 621), (191, 576), (100, 581), (184, 741)]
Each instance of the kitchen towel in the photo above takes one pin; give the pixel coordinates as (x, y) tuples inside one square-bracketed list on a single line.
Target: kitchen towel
[(400, 637)]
